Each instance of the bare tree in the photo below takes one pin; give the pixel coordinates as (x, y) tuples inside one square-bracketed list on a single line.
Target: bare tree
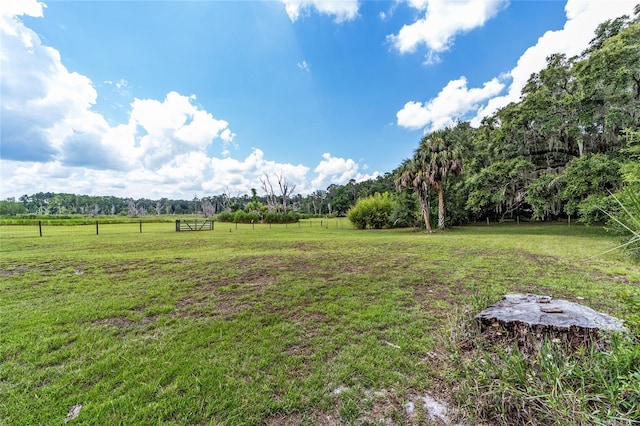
[(158, 207), (285, 187), (225, 197), (286, 190), (267, 187), (317, 200), (207, 207)]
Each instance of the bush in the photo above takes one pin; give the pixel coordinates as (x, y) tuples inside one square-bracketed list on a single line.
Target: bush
[(225, 217), (372, 212), (241, 216), (281, 218)]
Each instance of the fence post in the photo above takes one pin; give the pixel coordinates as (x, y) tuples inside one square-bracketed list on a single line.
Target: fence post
[(211, 225), (40, 227), (177, 225), (141, 226), (97, 227)]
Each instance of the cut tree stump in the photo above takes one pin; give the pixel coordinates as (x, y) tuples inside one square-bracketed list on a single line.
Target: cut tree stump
[(530, 318)]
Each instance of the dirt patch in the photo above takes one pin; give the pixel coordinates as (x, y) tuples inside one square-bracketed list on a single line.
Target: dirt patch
[(18, 270), (124, 322), (119, 322)]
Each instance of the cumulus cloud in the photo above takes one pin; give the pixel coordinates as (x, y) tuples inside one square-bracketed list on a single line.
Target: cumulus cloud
[(50, 132), (41, 100), (229, 174), (342, 10), (53, 140), (453, 102), (339, 171), (174, 126), (582, 20), (457, 101), (442, 21)]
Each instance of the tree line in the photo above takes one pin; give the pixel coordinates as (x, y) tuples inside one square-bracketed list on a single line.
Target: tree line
[(570, 147), (335, 201)]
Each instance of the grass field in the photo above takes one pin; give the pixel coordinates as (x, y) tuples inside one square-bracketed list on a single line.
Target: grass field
[(282, 326)]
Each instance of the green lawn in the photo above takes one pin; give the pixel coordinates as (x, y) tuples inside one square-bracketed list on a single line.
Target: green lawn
[(271, 324)]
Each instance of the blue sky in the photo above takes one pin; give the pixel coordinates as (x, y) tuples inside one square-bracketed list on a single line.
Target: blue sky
[(180, 99)]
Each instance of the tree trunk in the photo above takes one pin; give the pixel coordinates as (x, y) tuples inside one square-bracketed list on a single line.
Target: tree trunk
[(440, 206), (426, 211)]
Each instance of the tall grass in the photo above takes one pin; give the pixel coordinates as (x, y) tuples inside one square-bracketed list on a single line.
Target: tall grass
[(500, 383)]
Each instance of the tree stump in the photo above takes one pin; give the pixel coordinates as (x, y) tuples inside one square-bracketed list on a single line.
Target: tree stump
[(529, 319)]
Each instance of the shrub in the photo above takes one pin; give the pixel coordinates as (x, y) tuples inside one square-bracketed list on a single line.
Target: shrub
[(225, 217), (372, 212), (281, 218), (241, 216)]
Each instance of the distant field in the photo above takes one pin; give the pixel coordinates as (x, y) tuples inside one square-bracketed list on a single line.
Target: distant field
[(276, 325)]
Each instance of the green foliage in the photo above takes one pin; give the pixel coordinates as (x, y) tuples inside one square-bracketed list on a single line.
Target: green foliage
[(595, 176), (281, 218), (544, 197), (257, 208), (372, 212), (405, 211), (439, 157), (225, 217), (500, 187), (11, 208), (240, 216)]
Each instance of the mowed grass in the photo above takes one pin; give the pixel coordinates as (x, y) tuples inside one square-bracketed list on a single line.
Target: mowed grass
[(270, 325)]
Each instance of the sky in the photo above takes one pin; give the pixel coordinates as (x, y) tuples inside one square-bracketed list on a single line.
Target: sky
[(184, 99)]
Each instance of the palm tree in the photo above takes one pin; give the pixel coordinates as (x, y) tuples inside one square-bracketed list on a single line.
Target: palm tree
[(410, 175), (439, 157)]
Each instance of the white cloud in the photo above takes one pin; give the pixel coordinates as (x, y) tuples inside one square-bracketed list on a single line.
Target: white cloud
[(582, 20), (342, 10), (53, 140), (9, 9), (339, 171), (453, 102), (304, 66), (42, 102), (442, 21), (229, 174)]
